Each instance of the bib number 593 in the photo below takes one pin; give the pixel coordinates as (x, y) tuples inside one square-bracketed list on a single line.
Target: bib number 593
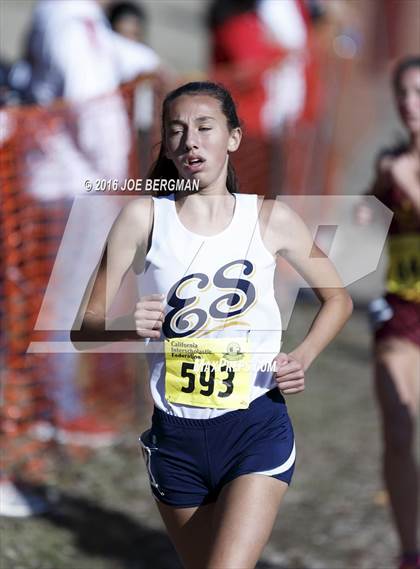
[(206, 378)]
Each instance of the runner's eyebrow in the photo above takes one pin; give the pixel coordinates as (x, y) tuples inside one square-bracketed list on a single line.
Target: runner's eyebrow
[(198, 119), (205, 118)]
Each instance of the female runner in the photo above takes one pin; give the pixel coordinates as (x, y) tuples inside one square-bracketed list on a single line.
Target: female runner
[(397, 339), (220, 452)]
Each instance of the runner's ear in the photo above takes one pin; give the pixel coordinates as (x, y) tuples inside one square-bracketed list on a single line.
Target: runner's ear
[(234, 139)]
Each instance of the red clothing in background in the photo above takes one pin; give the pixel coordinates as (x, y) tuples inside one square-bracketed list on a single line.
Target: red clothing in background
[(242, 43)]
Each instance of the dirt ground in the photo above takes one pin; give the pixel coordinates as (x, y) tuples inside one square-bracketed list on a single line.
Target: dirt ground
[(333, 516)]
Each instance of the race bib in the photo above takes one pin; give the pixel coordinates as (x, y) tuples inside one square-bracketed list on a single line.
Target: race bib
[(212, 373), (404, 266)]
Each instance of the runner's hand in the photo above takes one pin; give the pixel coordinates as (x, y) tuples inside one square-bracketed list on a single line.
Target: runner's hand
[(289, 374), (149, 316), (363, 214)]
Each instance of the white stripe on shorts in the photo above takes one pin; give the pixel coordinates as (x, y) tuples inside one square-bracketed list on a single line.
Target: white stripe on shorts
[(283, 467)]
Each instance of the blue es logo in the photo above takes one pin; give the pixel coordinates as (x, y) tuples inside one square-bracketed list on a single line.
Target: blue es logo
[(186, 318)]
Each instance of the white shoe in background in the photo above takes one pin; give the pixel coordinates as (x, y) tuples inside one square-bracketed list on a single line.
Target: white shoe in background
[(16, 502)]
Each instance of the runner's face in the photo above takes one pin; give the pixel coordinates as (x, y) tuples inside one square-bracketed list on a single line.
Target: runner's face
[(130, 27), (198, 140), (408, 100)]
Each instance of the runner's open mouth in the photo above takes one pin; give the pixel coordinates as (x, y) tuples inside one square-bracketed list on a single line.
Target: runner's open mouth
[(194, 161)]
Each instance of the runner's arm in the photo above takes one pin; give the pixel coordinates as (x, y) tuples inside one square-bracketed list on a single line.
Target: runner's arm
[(294, 242), (126, 241)]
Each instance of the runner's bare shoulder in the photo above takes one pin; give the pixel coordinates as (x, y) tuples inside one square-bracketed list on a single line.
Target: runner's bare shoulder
[(277, 220), (135, 220), (385, 160)]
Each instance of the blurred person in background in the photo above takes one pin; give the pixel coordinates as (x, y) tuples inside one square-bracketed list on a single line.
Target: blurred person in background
[(76, 56), (396, 317), (285, 84), (130, 20), (242, 53), (259, 50), (287, 87), (269, 38)]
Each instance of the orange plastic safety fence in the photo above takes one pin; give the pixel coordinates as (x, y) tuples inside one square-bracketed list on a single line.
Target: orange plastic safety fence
[(24, 399), (31, 229)]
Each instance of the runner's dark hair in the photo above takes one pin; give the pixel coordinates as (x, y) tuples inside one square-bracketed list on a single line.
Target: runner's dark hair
[(118, 10), (163, 167), (403, 65)]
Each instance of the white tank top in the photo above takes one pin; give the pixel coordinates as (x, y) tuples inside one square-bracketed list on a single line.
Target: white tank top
[(234, 264)]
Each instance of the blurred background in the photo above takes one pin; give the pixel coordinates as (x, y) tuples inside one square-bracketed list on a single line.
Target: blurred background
[(81, 83)]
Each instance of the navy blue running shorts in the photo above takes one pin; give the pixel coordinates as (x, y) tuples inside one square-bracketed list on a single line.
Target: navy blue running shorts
[(190, 460)]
